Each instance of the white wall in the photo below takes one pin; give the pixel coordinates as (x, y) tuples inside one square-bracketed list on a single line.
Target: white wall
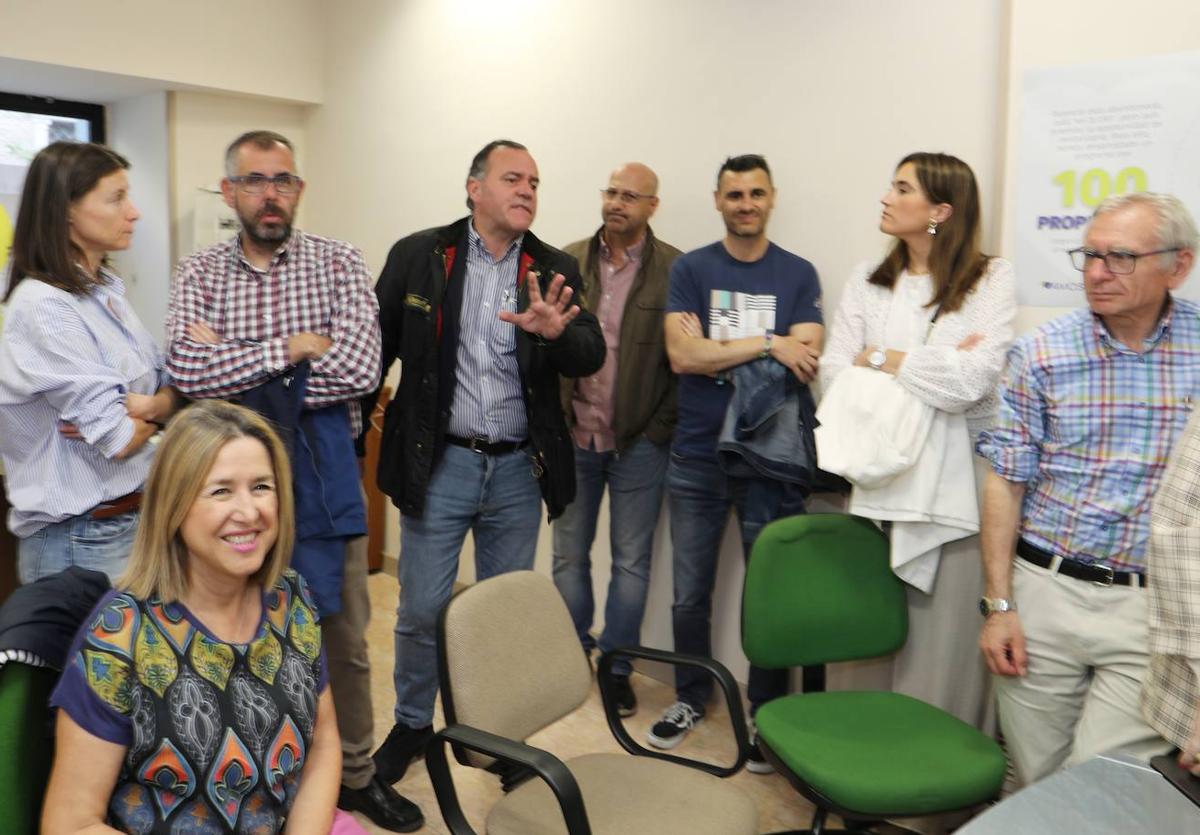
[(832, 94), (268, 48), (137, 128)]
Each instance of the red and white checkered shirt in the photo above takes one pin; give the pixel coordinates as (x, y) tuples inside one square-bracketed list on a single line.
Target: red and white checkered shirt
[(313, 284)]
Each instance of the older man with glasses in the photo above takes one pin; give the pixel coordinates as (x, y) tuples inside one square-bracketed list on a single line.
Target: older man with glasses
[(622, 417), (244, 314), (1090, 407)]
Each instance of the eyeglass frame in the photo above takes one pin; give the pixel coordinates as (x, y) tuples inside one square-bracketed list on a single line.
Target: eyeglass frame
[(240, 182), (1089, 254), (626, 197)]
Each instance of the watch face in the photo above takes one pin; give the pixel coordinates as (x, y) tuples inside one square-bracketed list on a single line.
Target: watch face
[(984, 608), (877, 359)]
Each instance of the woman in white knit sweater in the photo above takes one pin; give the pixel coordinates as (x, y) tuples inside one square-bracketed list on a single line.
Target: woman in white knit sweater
[(936, 313)]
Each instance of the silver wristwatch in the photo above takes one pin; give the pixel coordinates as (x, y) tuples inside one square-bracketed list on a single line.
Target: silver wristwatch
[(990, 605), (877, 358)]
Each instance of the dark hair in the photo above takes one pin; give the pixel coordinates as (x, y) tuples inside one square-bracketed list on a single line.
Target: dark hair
[(742, 163), (955, 262), (264, 140), (479, 162), (42, 248)]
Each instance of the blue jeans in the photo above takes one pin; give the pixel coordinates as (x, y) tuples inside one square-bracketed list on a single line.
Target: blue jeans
[(700, 496), (497, 498), (98, 544), (635, 487)]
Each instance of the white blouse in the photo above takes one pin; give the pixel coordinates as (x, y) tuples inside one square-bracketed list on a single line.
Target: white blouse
[(933, 369)]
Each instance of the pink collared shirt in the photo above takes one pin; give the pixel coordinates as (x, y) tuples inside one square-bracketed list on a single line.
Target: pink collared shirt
[(593, 398)]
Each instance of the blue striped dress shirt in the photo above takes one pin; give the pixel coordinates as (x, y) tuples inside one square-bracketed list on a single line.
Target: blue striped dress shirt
[(71, 358), (487, 397)]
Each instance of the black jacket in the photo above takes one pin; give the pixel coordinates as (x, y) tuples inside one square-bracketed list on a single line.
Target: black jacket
[(39, 621), (420, 296)]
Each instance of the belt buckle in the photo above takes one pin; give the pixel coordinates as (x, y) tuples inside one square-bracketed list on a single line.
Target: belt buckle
[(475, 442), (1107, 580)]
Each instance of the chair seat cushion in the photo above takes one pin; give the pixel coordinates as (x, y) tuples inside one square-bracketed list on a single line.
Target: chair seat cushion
[(882, 753), (626, 795)]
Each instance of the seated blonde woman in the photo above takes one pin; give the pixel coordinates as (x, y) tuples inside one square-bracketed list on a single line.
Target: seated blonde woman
[(195, 698)]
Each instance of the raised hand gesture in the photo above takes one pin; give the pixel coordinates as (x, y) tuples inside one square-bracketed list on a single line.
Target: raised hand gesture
[(546, 316)]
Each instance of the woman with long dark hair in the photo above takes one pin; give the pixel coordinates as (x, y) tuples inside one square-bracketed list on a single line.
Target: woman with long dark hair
[(936, 313), (82, 386)]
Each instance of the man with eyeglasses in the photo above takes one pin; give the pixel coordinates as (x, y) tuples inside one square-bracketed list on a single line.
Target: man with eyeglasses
[(481, 316), (621, 417), (244, 314), (1090, 407)]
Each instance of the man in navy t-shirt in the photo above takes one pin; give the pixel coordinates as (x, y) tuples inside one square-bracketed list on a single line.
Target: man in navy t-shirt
[(739, 299)]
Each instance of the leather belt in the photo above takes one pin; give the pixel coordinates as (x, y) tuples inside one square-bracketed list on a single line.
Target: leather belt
[(485, 447), (1101, 575), (115, 507)]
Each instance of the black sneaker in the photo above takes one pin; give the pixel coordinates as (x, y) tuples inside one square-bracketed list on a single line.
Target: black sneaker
[(383, 805), (669, 731), (402, 746), (623, 696), (756, 763)]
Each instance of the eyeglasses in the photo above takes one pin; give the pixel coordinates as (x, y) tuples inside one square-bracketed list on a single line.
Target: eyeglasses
[(257, 183), (626, 197), (1118, 262)]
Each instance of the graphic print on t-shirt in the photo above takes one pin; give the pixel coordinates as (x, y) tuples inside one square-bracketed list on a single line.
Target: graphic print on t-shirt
[(733, 315)]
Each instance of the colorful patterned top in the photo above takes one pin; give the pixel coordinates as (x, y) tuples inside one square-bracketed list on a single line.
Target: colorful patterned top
[(1088, 424), (216, 733)]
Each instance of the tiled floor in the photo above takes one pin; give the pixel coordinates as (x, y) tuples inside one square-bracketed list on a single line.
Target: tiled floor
[(780, 807)]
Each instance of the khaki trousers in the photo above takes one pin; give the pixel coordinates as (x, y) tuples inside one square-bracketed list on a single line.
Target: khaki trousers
[(350, 668), (1088, 656)]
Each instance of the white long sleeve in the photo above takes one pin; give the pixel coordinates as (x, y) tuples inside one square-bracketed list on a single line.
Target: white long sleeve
[(936, 372)]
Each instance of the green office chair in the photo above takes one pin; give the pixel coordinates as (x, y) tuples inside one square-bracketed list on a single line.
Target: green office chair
[(819, 589), (27, 743)]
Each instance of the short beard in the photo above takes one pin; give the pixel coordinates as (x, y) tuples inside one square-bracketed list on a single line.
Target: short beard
[(263, 235)]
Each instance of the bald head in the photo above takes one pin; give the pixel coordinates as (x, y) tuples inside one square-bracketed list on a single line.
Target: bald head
[(642, 175), (629, 203)]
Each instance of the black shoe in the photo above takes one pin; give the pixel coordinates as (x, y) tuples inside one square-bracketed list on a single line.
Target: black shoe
[(756, 763), (402, 746), (383, 805), (623, 696)]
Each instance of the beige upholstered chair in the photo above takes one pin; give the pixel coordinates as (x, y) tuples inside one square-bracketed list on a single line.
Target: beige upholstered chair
[(511, 664)]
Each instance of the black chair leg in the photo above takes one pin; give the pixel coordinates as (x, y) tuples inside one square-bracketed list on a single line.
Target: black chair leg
[(818, 821)]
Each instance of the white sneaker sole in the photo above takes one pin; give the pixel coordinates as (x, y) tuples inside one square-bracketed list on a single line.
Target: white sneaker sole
[(667, 744)]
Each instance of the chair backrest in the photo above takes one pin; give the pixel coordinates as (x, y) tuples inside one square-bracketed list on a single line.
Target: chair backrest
[(819, 588), (26, 743), (509, 659)]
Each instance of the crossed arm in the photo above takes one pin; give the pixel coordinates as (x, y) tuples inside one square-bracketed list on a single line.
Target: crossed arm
[(691, 352), (345, 361)]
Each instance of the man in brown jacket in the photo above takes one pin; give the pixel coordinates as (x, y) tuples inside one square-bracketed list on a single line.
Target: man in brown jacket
[(621, 417)]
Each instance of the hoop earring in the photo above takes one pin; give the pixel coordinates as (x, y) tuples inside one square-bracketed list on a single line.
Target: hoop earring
[(932, 227)]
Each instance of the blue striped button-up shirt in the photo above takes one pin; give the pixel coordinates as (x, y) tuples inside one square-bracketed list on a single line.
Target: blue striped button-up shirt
[(1088, 425), (487, 397), (71, 358)]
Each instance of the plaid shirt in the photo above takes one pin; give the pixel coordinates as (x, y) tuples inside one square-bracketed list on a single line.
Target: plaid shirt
[(313, 284), (1171, 691), (1088, 424)]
